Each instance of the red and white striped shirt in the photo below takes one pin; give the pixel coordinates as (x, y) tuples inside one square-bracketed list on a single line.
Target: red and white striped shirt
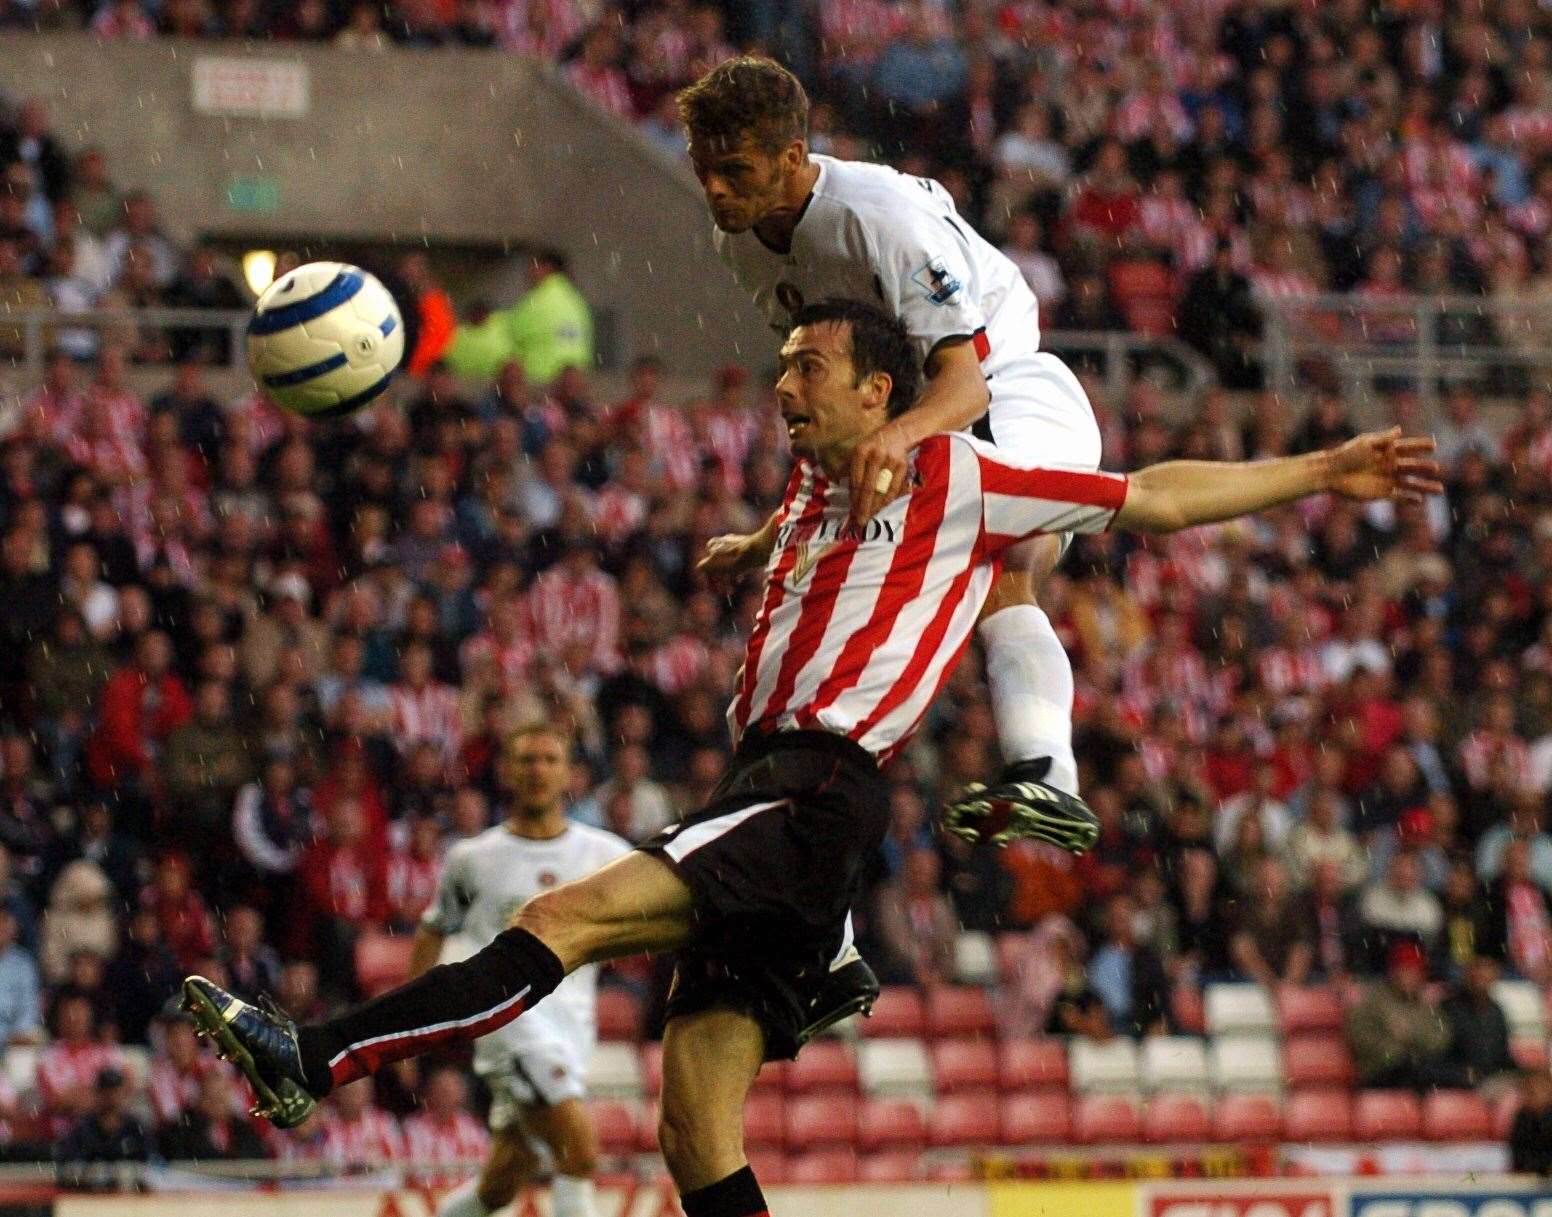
[(64, 1067), (435, 1142), (860, 628), (430, 712), (371, 1137), (569, 607), (412, 884)]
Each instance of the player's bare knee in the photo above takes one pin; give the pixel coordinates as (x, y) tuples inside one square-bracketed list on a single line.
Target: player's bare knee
[(497, 1187), (690, 1139), (578, 1157)]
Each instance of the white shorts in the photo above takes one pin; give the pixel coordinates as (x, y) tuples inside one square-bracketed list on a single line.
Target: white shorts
[(1040, 415), (542, 1074)]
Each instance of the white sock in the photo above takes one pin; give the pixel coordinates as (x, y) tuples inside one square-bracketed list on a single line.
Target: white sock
[(1031, 683), (572, 1197), (463, 1201)]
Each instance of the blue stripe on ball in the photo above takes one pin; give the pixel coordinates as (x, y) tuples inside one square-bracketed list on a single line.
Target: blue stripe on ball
[(390, 323), (350, 403), (340, 289), (296, 376)]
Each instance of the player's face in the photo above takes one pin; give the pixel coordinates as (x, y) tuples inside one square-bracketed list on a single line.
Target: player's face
[(826, 411), (743, 183), (537, 770)]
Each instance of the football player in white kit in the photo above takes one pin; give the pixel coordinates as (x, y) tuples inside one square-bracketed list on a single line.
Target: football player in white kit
[(796, 228), (535, 1066)]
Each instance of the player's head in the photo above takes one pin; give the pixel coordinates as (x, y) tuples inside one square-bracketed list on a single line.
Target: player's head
[(537, 768), (747, 121), (846, 367)]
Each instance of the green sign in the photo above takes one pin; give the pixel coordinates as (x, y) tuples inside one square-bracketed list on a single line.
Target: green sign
[(253, 194)]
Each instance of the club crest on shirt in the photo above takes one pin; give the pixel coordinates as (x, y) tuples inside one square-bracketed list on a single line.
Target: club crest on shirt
[(935, 279), (808, 555)]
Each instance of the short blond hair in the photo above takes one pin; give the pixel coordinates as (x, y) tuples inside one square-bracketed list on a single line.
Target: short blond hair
[(747, 97)]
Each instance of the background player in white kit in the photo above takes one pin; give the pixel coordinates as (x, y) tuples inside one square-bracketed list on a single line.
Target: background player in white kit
[(535, 1066), (796, 228)]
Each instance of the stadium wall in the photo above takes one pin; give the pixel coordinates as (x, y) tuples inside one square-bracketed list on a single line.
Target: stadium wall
[(1442, 1196), (480, 148)]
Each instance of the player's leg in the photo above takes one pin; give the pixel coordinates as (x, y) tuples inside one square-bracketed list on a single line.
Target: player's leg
[(567, 1130), (511, 1164), (635, 904), (1039, 416), (710, 1059)]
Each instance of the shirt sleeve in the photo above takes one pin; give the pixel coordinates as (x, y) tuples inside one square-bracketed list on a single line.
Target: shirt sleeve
[(1022, 501), (450, 908), (924, 274)]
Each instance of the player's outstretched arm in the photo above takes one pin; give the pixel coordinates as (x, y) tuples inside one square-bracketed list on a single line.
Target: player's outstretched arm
[(1183, 494)]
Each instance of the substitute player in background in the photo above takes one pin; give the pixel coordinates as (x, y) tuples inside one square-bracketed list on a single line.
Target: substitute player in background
[(536, 1066), (797, 228)]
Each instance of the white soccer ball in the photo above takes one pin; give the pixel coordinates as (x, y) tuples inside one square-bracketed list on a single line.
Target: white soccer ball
[(325, 339)]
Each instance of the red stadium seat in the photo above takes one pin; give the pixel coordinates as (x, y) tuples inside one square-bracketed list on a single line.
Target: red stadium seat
[(382, 961), (1456, 1115), (1504, 1112), (959, 1010), (1318, 1115), (1301, 1010), (769, 1165), (823, 1166), (1040, 1117), (824, 1065), (1247, 1117), (619, 1014), (962, 1120), (1386, 1115), (1317, 1060), (820, 1122), (890, 1166), (765, 1119), (959, 1065), (646, 1128), (1529, 1051), (1032, 1065), (890, 1123), (1187, 1009), (1106, 1119), (1170, 1119), (899, 1013), (615, 1124)]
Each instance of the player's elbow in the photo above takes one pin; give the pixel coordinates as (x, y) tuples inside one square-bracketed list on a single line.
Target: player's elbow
[(1148, 513)]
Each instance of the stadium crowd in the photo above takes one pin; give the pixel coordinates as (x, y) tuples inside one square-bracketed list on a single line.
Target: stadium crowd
[(1163, 168)]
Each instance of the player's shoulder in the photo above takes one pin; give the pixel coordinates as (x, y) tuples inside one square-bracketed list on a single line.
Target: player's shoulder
[(473, 847), (875, 196), (600, 840)]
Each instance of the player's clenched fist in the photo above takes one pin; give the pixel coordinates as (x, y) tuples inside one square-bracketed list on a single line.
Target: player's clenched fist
[(734, 554)]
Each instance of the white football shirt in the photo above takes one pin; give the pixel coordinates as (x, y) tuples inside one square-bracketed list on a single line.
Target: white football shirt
[(872, 233), (485, 880)]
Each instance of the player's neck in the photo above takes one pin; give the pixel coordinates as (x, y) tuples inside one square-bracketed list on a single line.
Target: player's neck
[(778, 225), (542, 827)]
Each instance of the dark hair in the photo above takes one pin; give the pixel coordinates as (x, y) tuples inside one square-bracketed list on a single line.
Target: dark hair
[(879, 343), (748, 96)]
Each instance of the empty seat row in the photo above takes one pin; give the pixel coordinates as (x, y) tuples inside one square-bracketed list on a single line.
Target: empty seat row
[(773, 1121)]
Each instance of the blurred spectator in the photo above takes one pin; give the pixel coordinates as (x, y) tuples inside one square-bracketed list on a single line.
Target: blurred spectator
[(1271, 944), (141, 976), (445, 1132), (1479, 1032), (142, 703), (1530, 1135), (1399, 906), (1398, 1037), (207, 760), (344, 889), (916, 924), (177, 1067), (183, 919), (551, 327), (1219, 318), (21, 1019), (105, 1135), (80, 916), (1518, 928), (69, 1067), (1128, 977), (210, 1131), (434, 313), (251, 964), (362, 1132)]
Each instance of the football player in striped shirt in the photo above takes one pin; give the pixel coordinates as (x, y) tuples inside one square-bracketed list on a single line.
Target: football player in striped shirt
[(858, 629)]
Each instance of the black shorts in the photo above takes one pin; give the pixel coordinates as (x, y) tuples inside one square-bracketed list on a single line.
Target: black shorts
[(774, 864)]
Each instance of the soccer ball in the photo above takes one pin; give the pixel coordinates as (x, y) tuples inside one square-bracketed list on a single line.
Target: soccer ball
[(325, 339)]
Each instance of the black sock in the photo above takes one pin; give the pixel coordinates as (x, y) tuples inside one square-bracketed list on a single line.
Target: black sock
[(451, 1003), (738, 1195)]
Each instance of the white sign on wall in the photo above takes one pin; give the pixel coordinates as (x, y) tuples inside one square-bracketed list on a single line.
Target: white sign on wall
[(230, 87)]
